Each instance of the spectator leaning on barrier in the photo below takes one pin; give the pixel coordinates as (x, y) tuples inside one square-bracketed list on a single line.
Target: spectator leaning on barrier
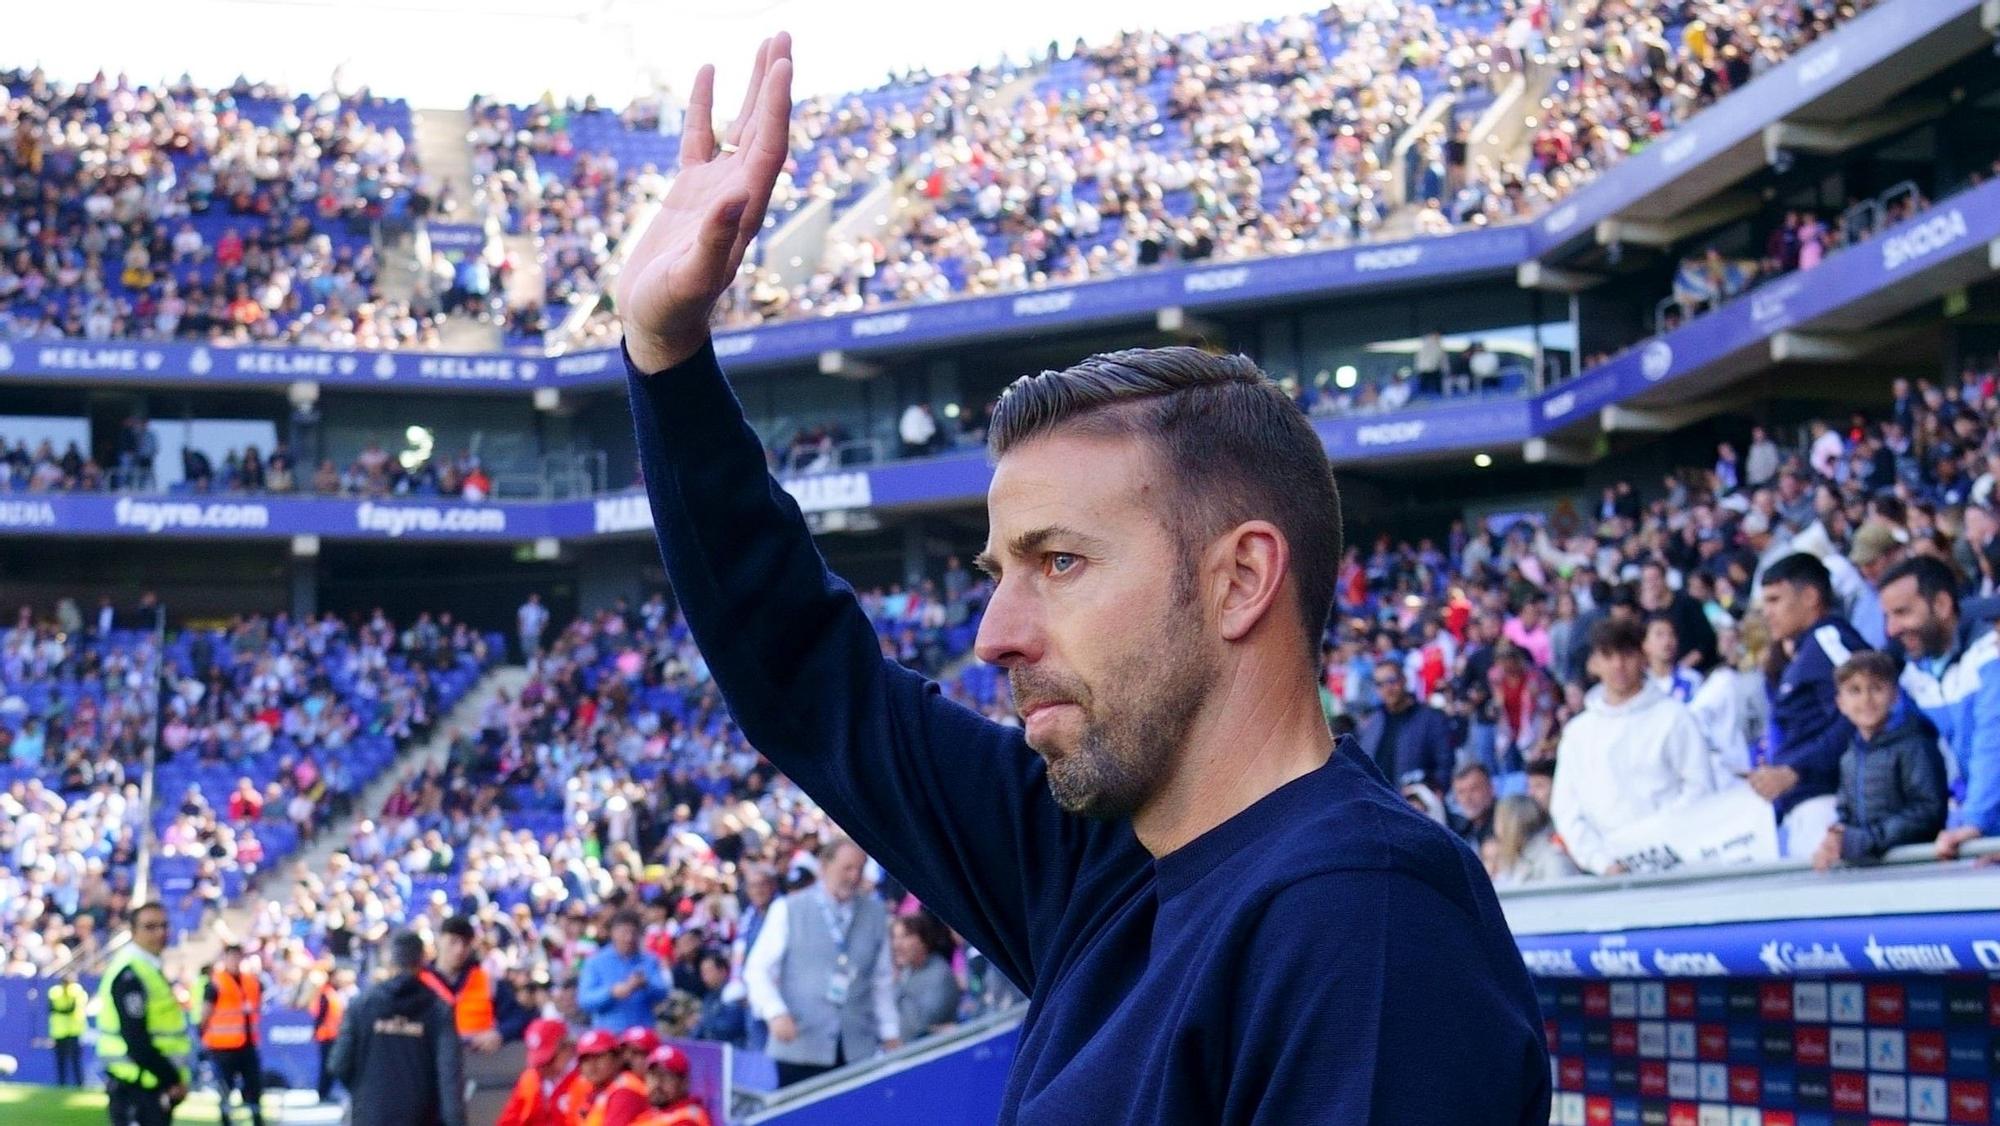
[(1632, 753), (1811, 639), (1892, 785), (1953, 675)]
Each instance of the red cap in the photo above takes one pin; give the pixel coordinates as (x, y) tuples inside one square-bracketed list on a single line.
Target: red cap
[(669, 1057), (640, 1037), (596, 1042), (544, 1038)]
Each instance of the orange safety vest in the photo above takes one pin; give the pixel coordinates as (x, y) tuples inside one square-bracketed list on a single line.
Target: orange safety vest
[(600, 1102), (471, 1003), (532, 1104), (573, 1095), (688, 1113), (332, 1007), (233, 1022)]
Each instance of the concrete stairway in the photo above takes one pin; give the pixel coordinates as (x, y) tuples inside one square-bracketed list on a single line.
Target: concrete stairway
[(442, 147)]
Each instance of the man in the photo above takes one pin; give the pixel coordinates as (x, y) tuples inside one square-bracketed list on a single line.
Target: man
[(1875, 552), (667, 1091), (1953, 674), (461, 982), (529, 622), (142, 1030), (329, 1003), (724, 1016), (615, 1096), (1408, 741), (821, 975), (1472, 792), (1803, 769), (232, 1017), (1632, 753), (533, 1101), (1164, 540), (67, 1002), (637, 1043), (398, 1053), (622, 984), (1695, 638)]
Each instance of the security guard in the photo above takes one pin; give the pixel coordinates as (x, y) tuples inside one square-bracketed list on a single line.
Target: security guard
[(461, 982), (616, 1095), (142, 1030), (328, 1004), (67, 1002), (232, 1028)]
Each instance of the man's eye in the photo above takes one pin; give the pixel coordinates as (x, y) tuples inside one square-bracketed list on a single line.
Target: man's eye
[(1060, 562)]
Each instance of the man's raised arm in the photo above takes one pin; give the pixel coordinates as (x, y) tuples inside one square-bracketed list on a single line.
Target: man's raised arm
[(954, 805)]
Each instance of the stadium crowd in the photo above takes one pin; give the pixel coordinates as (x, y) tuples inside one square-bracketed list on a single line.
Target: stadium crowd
[(270, 728), (1545, 684), (238, 216)]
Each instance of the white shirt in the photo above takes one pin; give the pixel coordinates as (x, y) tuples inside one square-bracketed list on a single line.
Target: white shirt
[(760, 974), (1622, 763), (917, 427)]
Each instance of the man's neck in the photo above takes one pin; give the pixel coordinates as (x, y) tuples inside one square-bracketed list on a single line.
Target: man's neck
[(1222, 771), (1618, 699)]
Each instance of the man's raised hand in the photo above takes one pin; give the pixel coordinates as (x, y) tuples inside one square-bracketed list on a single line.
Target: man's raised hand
[(691, 251)]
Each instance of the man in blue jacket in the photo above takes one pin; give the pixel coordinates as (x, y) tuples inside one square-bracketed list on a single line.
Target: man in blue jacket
[(1802, 772), (1407, 739), (1953, 674), (621, 983), (1223, 915)]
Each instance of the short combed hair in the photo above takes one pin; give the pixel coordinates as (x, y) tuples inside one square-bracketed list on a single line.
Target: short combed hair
[(1618, 635), (1871, 663), (1934, 577), (1234, 447), (1804, 572)]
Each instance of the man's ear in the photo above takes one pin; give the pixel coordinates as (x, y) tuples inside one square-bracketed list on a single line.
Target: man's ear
[(1250, 563)]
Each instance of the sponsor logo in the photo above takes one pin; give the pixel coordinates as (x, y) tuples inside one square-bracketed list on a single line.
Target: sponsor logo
[(1619, 963), (1923, 957), (482, 369), (1559, 405), (151, 361), (622, 514), (1848, 1048), (1389, 258), (1887, 1049), (1216, 281), (1768, 304), (1790, 957), (27, 514), (6, 355), (1743, 1085), (1814, 68), (1888, 1095), (1850, 1090), (347, 365), (735, 344), (1968, 1101), (1926, 1052), (590, 363), (160, 515), (1551, 963), (1690, 964), (1561, 219), (829, 492), (397, 520), (1389, 433), (1656, 361), (385, 367), (1987, 952), (1042, 304), (291, 1034), (282, 363), (1924, 239), (75, 358), (887, 324), (1679, 149), (1885, 1004), (529, 370)]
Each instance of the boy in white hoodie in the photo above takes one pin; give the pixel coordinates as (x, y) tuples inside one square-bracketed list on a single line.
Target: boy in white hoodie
[(1634, 751)]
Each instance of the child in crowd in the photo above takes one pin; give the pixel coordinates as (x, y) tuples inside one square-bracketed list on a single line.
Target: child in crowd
[(1892, 781)]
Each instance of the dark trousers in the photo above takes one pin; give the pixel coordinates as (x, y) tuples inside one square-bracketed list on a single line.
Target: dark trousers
[(133, 1105), (240, 1069), (69, 1062), (325, 1072), (790, 1073)]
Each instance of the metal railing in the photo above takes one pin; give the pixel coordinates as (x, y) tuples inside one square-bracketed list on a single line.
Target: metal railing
[(1907, 855)]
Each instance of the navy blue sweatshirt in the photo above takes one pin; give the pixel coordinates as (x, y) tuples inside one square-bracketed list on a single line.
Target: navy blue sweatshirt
[(1327, 956)]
